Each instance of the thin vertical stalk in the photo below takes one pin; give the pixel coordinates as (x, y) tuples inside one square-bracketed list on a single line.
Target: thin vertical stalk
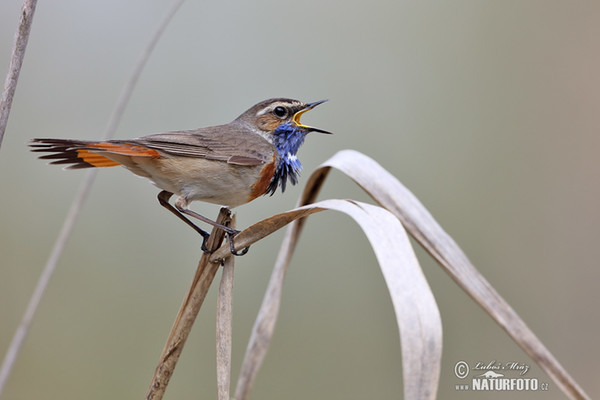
[(14, 68), (78, 201), (224, 328), (34, 301)]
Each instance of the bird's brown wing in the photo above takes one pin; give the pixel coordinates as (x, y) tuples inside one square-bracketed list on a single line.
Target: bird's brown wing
[(224, 143)]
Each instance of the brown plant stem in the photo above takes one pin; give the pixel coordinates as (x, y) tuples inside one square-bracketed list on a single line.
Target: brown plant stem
[(187, 313)]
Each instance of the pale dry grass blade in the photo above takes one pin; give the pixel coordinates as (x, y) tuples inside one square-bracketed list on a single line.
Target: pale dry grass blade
[(224, 327), (187, 313), (16, 62), (392, 195), (416, 311)]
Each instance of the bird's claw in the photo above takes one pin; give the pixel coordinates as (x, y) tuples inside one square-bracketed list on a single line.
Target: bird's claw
[(204, 248), (230, 232), (230, 236)]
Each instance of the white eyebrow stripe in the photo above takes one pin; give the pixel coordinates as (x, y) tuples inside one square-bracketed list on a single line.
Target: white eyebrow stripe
[(272, 106), (264, 111)]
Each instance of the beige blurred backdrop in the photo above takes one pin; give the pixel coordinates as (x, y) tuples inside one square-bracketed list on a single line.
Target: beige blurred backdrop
[(488, 111)]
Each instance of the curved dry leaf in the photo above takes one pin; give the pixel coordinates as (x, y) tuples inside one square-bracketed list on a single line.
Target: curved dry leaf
[(416, 311), (392, 195)]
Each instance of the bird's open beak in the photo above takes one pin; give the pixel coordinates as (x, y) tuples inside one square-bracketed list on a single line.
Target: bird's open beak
[(309, 106)]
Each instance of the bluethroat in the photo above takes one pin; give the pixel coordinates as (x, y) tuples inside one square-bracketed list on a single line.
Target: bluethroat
[(229, 164)]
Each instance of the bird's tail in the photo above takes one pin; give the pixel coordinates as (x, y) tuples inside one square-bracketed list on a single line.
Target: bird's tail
[(77, 153), (89, 154)]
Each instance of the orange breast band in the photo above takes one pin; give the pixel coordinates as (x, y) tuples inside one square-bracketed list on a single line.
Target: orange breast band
[(266, 175)]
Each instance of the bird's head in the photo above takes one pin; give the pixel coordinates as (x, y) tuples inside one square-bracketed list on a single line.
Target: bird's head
[(275, 116), (278, 121)]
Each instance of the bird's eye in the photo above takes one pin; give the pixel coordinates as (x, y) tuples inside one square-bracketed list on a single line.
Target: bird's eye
[(280, 112)]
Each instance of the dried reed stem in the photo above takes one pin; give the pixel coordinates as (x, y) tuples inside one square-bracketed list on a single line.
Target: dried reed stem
[(187, 313), (14, 68), (224, 328)]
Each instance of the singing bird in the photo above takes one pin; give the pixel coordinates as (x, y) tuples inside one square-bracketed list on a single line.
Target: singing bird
[(229, 164)]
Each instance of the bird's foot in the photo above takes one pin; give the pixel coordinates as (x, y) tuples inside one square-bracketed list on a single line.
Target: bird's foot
[(230, 235)]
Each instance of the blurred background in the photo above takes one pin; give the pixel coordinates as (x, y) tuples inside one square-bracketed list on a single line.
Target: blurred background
[(487, 111)]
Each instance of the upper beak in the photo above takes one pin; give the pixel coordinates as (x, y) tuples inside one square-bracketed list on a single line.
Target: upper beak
[(309, 106)]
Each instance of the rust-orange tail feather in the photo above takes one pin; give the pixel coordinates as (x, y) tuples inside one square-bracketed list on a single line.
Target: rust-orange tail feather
[(74, 152), (87, 154)]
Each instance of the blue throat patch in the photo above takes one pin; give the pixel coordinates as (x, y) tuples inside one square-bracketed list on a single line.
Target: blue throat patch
[(287, 139)]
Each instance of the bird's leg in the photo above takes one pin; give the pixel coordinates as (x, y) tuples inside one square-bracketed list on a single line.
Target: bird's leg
[(181, 207), (163, 199)]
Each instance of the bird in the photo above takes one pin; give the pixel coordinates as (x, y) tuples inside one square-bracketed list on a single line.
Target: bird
[(228, 165)]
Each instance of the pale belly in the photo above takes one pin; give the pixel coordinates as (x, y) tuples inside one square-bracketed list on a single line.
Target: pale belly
[(199, 179)]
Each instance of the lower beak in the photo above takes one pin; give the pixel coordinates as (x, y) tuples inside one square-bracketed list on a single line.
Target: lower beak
[(308, 107)]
